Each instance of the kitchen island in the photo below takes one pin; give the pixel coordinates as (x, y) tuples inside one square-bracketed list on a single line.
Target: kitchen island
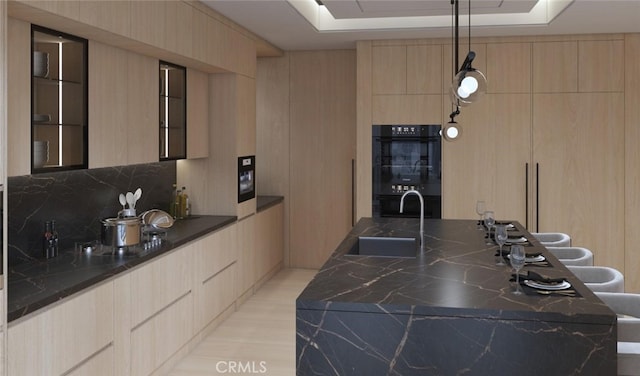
[(448, 311)]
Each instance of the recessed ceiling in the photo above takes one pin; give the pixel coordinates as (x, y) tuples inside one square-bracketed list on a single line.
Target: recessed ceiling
[(341, 9), (304, 25)]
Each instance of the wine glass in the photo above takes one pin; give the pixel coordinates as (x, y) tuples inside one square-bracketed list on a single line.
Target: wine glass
[(480, 209), (489, 221), (517, 257), (501, 238)]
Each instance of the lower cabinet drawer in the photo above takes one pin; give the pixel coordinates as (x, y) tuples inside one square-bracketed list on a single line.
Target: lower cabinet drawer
[(217, 293), (159, 337), (63, 337), (99, 364)]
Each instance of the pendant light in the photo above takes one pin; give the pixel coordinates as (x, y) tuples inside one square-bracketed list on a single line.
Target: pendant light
[(468, 83)]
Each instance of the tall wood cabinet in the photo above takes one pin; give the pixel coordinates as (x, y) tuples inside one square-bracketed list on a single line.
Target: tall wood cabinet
[(322, 141), (545, 145), (579, 162)]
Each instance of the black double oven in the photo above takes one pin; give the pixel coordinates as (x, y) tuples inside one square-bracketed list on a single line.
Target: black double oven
[(407, 157)]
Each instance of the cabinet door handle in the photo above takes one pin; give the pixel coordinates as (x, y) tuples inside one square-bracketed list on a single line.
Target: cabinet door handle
[(353, 192), (537, 197), (526, 195)]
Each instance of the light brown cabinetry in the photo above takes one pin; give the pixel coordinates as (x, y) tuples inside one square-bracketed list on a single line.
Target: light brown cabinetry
[(124, 127), (544, 146), (143, 319), (178, 27), (99, 364), (173, 111), (269, 245), (554, 66), (19, 102), (489, 161), (58, 101), (632, 161), (322, 142), (577, 149), (406, 84), (65, 336), (509, 67), (216, 270), (246, 276), (161, 297), (147, 21), (550, 157), (197, 114)]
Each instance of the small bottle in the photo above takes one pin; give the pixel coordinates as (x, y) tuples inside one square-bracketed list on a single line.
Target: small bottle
[(54, 239), (177, 204), (174, 203), (50, 240), (184, 203), (46, 237)]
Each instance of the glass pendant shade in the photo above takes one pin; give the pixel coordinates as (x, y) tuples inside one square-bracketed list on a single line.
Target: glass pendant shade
[(451, 131), (468, 86)]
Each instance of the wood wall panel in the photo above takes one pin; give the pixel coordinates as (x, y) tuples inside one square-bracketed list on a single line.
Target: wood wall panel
[(578, 143), (197, 114), (272, 125), (143, 105), (424, 69), (113, 16), (246, 109), (108, 107), (147, 21), (632, 161), (554, 67), (19, 101), (601, 66), (407, 109), (178, 27), (364, 133), (322, 148), (489, 160), (272, 133), (508, 68), (389, 70)]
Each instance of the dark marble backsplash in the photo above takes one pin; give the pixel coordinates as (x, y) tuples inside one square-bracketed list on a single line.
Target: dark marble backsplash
[(78, 201)]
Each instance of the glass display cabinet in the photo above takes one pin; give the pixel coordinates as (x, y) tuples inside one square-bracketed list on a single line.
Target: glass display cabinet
[(58, 101), (173, 110)]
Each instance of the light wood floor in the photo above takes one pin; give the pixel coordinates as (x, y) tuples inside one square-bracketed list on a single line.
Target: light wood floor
[(259, 338)]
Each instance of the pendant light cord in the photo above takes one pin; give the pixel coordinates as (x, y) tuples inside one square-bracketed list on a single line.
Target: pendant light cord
[(469, 26)]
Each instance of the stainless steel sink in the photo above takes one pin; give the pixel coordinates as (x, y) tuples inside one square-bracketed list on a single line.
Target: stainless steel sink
[(385, 247)]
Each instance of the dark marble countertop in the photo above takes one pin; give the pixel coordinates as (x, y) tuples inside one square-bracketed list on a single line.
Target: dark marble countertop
[(265, 202), (455, 275), (34, 285)]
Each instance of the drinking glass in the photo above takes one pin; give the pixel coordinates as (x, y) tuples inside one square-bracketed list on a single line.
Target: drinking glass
[(517, 256), (501, 238), (480, 209), (489, 221)]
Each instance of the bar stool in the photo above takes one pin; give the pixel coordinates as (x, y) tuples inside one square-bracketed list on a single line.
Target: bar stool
[(553, 239), (627, 307), (599, 278), (573, 255)]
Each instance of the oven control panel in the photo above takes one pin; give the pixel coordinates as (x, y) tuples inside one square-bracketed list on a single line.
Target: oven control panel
[(401, 188), (405, 130)]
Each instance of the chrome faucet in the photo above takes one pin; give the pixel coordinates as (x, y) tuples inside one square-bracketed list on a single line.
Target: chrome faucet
[(421, 210)]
